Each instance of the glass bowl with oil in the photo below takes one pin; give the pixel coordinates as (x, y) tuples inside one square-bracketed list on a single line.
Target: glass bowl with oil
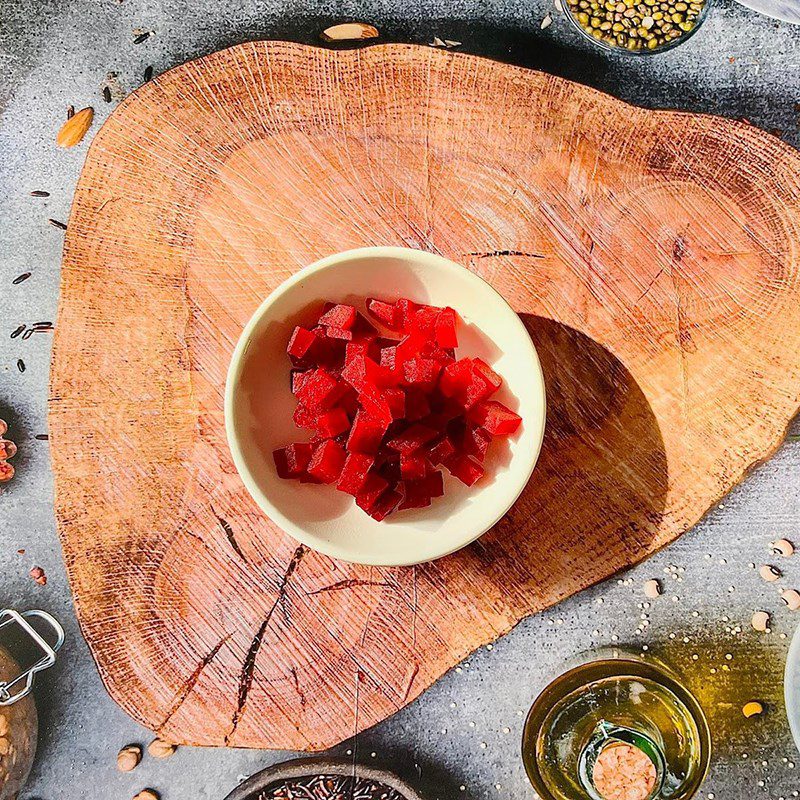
[(616, 726), (637, 27)]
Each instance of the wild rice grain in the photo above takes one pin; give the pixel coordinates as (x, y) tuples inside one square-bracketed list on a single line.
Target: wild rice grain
[(21, 278), (57, 224), (70, 112), (17, 331), (42, 437), (20, 365), (148, 74), (142, 37), (39, 193), (106, 94)]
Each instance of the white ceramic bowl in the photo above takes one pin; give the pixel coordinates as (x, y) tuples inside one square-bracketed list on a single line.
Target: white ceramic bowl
[(259, 406), (791, 687)]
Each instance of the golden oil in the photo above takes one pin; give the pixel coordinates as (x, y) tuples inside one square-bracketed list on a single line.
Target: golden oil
[(616, 698)]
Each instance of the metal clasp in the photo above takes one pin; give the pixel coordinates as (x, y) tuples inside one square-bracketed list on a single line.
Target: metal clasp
[(19, 687)]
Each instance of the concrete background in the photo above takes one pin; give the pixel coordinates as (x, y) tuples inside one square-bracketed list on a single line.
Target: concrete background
[(465, 731)]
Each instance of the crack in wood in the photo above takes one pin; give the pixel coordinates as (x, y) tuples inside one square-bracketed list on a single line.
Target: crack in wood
[(296, 681), (501, 253), (229, 534), (192, 680), (248, 666), (350, 583), (410, 682)]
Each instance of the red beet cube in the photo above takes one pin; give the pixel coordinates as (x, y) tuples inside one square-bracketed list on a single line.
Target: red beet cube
[(487, 373), (465, 468), (477, 389), (385, 504), (412, 438), (396, 400), (331, 423), (320, 390), (327, 461), (375, 405), (434, 484), (374, 486), (455, 377), (445, 328), (476, 441), (421, 372), (386, 313), (389, 358), (298, 456), (281, 465), (425, 319), (416, 494), (413, 467), (301, 345), (406, 311), (297, 377), (499, 420), (354, 473), (304, 417), (339, 316), (441, 451), (339, 333), (366, 434)]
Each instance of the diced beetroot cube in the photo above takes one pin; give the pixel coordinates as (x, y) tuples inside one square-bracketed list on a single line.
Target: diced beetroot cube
[(339, 333), (389, 358), (326, 352), (417, 405), (487, 373), (320, 390), (355, 350), (354, 473), (406, 310), (499, 420), (374, 405), (421, 372), (425, 319), (413, 466), (434, 484), (416, 495), (476, 442), (298, 456), (396, 400), (438, 354), (386, 504), (412, 439), (465, 468), (477, 389), (301, 345), (281, 463), (441, 451), (373, 488), (340, 316), (445, 328), (455, 377), (327, 461), (366, 434), (386, 313), (303, 417), (332, 423), (363, 329)]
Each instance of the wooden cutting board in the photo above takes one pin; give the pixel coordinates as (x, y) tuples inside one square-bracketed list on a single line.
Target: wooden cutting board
[(652, 255)]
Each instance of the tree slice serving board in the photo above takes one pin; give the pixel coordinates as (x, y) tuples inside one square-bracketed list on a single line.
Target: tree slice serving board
[(653, 256)]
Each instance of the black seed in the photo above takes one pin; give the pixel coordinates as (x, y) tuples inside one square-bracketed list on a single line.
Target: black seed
[(70, 112), (20, 278), (142, 37), (42, 437), (39, 193), (20, 365), (106, 94), (148, 74), (17, 331), (28, 333), (56, 224), (42, 324)]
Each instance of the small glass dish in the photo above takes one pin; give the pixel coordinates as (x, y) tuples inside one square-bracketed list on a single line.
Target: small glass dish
[(616, 48)]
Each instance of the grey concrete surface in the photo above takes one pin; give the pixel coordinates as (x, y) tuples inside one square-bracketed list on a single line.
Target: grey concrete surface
[(465, 731)]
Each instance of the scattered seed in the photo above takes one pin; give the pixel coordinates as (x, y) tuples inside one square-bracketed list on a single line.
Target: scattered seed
[(148, 74), (437, 42), (17, 331), (546, 22), (129, 757), (147, 794), (42, 437), (27, 335), (452, 43), (21, 278), (792, 599), (57, 224), (349, 31), (782, 547), (37, 573), (75, 128), (45, 324), (20, 365), (769, 573), (107, 98), (752, 709), (760, 621), (158, 748), (652, 588), (141, 37), (70, 112), (40, 193)]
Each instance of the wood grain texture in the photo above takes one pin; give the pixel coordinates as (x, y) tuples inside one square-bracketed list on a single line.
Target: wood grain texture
[(653, 256)]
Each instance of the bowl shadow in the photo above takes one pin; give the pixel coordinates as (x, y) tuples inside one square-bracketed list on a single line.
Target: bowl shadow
[(597, 495)]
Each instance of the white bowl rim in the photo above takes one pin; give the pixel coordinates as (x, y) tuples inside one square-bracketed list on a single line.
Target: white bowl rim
[(791, 684), (332, 549)]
